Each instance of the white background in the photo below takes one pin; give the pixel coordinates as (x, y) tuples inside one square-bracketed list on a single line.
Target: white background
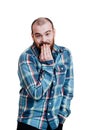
[(70, 20)]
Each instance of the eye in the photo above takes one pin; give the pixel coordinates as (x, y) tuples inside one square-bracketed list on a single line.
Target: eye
[(38, 36), (47, 34)]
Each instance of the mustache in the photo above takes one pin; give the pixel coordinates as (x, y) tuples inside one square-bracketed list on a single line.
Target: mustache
[(41, 44)]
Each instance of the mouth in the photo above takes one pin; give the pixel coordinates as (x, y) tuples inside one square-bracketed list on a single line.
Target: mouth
[(41, 44)]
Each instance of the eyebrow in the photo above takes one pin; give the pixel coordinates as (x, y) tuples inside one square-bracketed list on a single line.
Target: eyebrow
[(48, 31), (41, 34)]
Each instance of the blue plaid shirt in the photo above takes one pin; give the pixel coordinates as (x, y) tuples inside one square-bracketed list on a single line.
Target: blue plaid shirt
[(46, 87)]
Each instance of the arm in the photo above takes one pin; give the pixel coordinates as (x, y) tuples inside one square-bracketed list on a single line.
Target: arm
[(36, 83), (67, 89)]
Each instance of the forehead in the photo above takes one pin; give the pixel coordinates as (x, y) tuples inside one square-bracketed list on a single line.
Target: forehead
[(42, 28)]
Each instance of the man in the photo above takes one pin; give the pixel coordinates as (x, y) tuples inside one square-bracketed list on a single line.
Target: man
[(46, 77)]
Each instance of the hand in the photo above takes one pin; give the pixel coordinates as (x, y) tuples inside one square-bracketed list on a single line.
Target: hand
[(45, 54)]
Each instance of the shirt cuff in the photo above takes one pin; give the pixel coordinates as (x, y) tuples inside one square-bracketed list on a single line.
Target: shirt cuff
[(61, 119), (47, 62)]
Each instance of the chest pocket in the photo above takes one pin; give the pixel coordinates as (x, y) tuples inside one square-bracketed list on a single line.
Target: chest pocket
[(60, 74)]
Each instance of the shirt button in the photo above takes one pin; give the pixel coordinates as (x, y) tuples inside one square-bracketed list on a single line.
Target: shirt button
[(54, 81), (50, 103), (61, 68), (48, 114)]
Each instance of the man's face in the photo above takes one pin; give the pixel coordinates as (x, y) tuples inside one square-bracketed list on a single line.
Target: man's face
[(43, 34)]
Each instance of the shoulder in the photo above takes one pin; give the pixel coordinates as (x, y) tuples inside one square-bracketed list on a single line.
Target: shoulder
[(65, 54), (26, 55), (63, 50)]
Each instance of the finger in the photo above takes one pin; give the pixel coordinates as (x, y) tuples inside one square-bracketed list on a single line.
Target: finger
[(44, 51), (41, 54), (48, 51)]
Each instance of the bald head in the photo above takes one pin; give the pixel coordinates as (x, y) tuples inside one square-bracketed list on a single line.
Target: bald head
[(40, 21)]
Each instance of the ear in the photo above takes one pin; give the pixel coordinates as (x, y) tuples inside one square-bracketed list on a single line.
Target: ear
[(32, 36), (54, 31)]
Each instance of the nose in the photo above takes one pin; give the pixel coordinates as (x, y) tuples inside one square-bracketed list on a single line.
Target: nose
[(43, 39)]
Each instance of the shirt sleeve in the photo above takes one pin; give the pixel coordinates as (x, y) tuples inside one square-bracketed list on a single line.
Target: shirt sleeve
[(35, 82), (68, 88)]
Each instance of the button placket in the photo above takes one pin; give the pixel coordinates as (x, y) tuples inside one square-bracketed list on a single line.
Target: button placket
[(54, 81)]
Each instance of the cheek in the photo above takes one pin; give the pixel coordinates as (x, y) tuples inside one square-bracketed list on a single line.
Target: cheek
[(51, 38), (37, 43), (37, 40)]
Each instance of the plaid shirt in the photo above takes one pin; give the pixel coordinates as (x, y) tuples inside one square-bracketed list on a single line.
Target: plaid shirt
[(46, 87)]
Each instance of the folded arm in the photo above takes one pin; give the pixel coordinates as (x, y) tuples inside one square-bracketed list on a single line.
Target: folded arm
[(36, 83)]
